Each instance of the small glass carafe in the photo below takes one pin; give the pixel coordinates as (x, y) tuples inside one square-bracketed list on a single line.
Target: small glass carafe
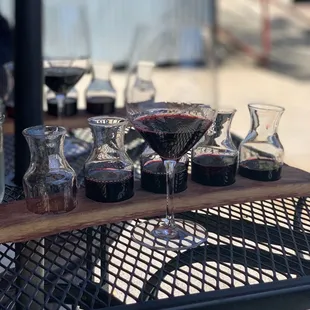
[(215, 157), (71, 103), (153, 173), (100, 94), (261, 152), (108, 171), (50, 182), (142, 89)]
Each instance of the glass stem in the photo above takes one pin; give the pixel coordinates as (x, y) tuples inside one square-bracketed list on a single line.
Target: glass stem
[(170, 173), (60, 98)]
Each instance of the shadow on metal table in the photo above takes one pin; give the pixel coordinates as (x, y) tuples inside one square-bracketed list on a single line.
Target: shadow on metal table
[(256, 254)]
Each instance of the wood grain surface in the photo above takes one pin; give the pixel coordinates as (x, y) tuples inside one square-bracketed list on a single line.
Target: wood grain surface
[(18, 224)]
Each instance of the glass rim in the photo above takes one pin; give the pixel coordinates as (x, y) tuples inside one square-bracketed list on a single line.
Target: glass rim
[(39, 131), (119, 121), (266, 106), (226, 109)]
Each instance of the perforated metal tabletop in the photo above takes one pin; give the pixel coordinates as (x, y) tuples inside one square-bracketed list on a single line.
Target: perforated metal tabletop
[(98, 267)]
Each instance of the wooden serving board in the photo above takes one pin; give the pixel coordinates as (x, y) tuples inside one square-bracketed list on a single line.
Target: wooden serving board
[(70, 122), (18, 224)]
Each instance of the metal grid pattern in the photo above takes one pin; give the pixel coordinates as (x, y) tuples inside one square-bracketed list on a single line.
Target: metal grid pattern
[(102, 266)]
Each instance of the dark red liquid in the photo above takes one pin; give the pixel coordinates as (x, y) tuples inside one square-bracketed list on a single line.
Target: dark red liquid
[(109, 185), (100, 105), (70, 107), (61, 79), (214, 170), (153, 177), (10, 111), (260, 170), (171, 135)]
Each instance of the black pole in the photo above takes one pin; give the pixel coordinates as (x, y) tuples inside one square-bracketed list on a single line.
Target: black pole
[(28, 77)]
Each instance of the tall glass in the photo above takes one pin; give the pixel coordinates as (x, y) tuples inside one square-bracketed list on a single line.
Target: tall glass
[(173, 122)]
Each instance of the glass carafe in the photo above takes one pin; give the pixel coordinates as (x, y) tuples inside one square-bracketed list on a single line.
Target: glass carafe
[(71, 103), (50, 182), (261, 152), (142, 87), (100, 94), (108, 171), (215, 157), (153, 173)]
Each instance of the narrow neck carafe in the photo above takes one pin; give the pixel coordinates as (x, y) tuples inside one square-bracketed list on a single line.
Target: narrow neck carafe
[(46, 146), (219, 134), (143, 88), (108, 134), (261, 154), (264, 120), (49, 183), (108, 171), (101, 80), (100, 95)]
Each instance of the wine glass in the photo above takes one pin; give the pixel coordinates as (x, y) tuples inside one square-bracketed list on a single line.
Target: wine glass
[(184, 108), (66, 49)]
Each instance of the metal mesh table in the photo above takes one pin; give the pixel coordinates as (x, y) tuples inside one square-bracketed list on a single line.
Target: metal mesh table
[(97, 267)]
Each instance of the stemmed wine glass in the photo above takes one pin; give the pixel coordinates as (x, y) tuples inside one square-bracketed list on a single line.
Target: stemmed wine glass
[(183, 110), (66, 49)]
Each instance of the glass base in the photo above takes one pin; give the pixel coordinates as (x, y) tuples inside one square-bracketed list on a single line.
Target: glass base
[(155, 234)]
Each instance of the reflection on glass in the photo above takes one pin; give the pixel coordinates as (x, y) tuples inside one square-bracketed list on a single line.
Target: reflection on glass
[(261, 151), (100, 94), (215, 158), (108, 171), (50, 182)]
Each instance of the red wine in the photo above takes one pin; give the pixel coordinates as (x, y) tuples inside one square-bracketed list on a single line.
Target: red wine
[(214, 170), (153, 177), (10, 106), (171, 135), (100, 105), (109, 185), (70, 107), (61, 79), (260, 170), (10, 111), (54, 204)]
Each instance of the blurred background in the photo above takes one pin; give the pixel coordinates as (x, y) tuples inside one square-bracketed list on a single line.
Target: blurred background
[(262, 52)]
